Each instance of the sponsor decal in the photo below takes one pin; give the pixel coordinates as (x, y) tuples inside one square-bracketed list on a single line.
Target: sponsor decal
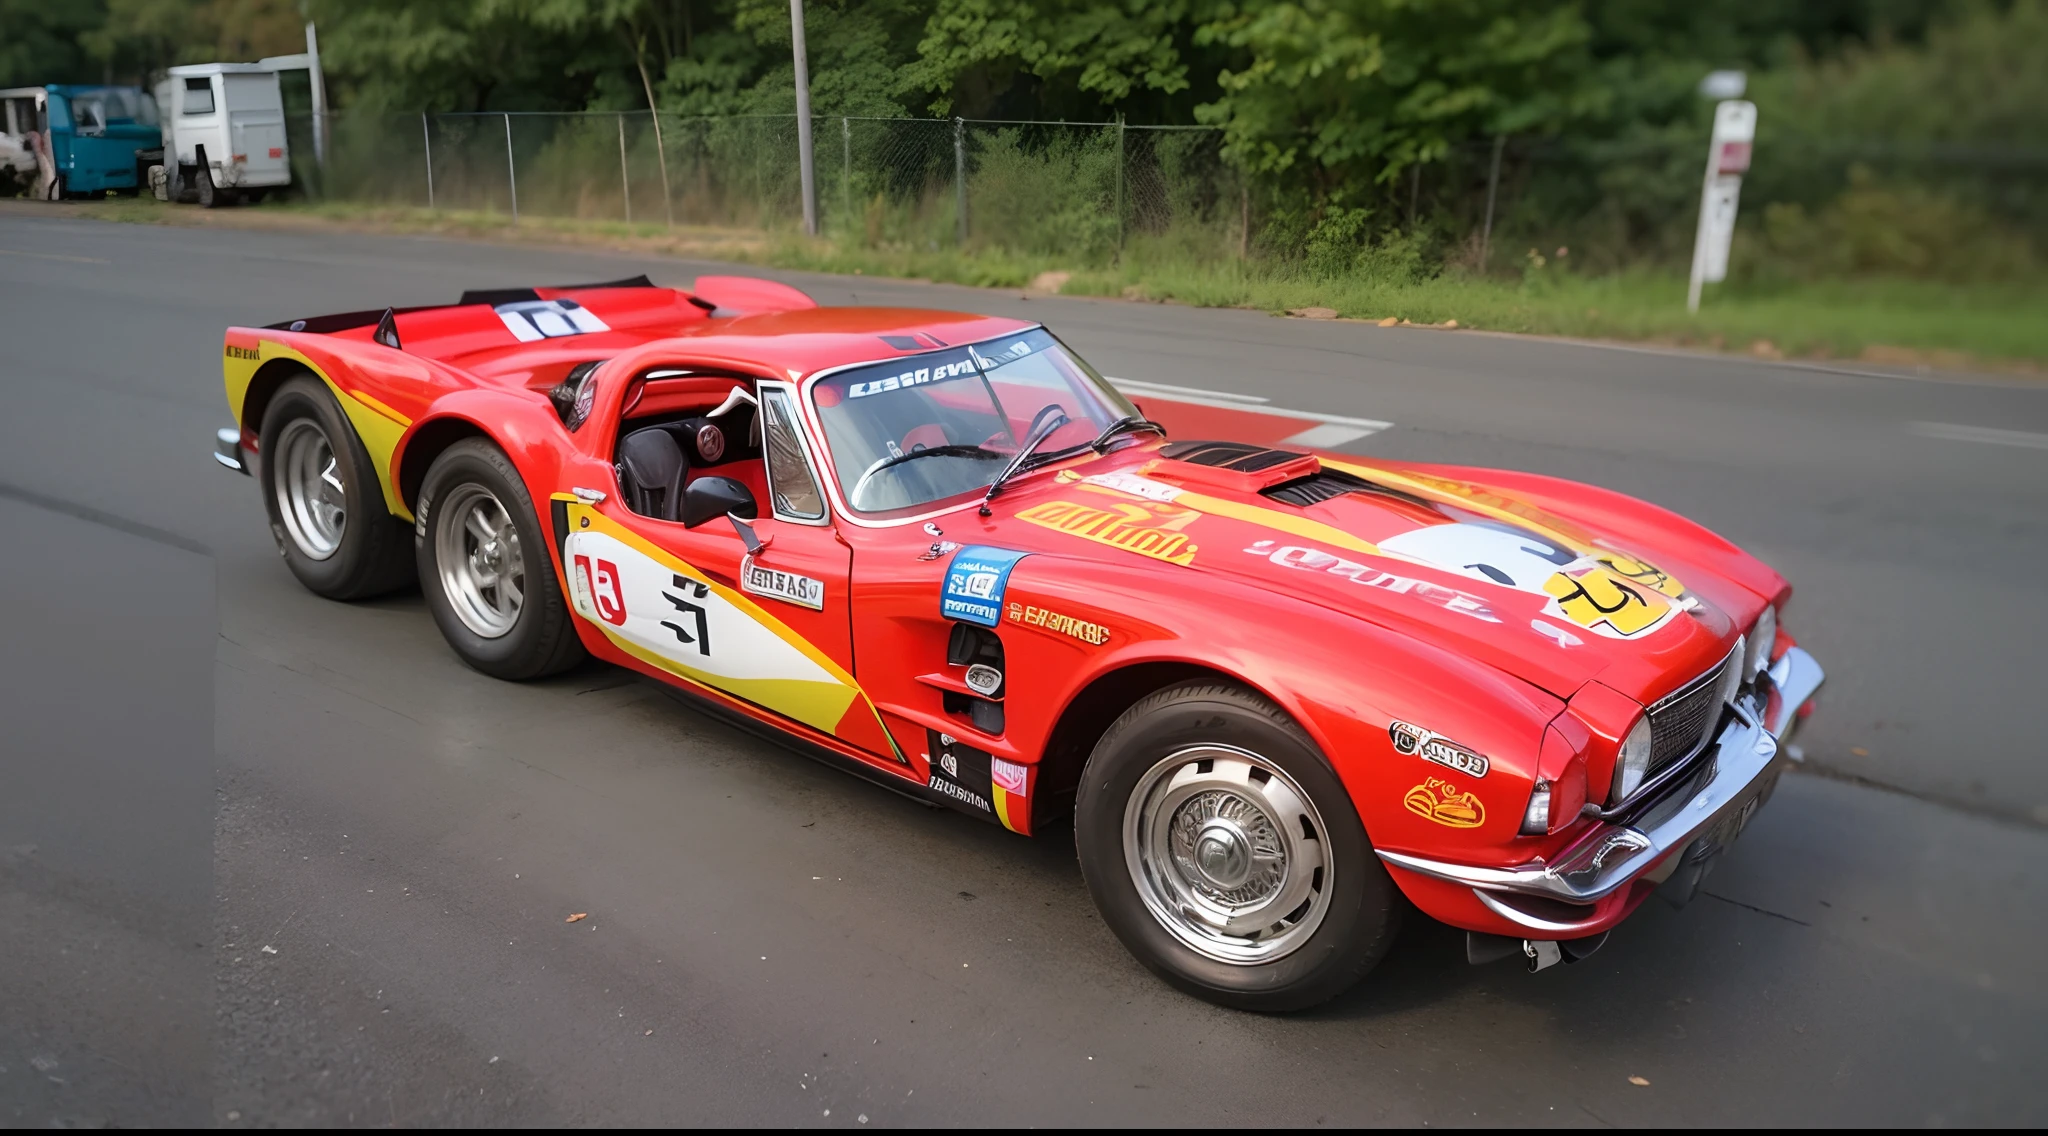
[(984, 680), (915, 377), (975, 582), (695, 629), (1316, 560), (597, 585), (963, 773), (1008, 776), (1592, 596), (1093, 634), (530, 321), (788, 587), (1429, 745), (1149, 530), (1581, 590), (250, 353), (1446, 804)]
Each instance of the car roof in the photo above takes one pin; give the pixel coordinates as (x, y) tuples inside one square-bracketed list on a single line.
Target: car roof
[(804, 341)]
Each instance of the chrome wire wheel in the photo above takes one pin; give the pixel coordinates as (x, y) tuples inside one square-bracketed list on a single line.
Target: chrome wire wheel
[(1228, 853), (312, 498), (476, 548)]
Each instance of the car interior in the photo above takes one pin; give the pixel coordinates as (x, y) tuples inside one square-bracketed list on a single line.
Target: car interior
[(680, 424)]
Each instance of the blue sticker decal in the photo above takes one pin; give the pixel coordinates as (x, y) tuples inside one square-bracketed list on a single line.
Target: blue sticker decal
[(975, 582)]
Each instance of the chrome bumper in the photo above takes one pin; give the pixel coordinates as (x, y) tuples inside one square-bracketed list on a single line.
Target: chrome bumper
[(227, 449), (1744, 768)]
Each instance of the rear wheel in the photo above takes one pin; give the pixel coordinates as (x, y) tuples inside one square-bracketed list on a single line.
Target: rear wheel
[(483, 564), (325, 502), (1225, 853), (210, 195)]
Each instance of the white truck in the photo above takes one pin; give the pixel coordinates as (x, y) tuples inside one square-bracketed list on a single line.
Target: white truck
[(224, 137)]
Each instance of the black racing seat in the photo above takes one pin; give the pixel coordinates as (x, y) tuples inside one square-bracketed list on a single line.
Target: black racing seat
[(651, 471)]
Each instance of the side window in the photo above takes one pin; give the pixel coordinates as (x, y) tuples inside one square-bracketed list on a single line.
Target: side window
[(199, 96), (790, 481)]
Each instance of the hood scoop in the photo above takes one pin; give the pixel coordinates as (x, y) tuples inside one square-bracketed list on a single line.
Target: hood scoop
[(1231, 465)]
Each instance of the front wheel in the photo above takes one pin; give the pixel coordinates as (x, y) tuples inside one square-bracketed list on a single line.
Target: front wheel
[(484, 566), (1225, 853)]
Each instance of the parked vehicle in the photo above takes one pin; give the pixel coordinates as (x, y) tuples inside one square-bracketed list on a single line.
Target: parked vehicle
[(1281, 694), (224, 133), (98, 139)]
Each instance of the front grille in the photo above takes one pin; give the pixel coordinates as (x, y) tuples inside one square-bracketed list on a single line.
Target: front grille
[(1680, 721)]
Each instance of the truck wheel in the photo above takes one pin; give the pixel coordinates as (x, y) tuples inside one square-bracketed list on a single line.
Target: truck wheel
[(1225, 853), (325, 503), (484, 566), (210, 195)]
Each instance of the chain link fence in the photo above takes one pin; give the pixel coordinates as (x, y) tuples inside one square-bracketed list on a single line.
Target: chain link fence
[(1086, 193)]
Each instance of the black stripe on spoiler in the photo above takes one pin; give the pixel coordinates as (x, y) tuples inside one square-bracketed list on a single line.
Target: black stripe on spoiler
[(328, 325)]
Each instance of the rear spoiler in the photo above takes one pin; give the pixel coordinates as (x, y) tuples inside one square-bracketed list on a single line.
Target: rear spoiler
[(328, 325), (718, 296)]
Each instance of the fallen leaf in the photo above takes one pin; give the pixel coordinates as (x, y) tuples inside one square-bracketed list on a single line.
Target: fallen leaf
[(1450, 323), (1390, 321), (578, 917), (1639, 1080), (1859, 751)]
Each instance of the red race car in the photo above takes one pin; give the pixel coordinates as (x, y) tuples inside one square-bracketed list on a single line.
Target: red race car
[(1279, 694)]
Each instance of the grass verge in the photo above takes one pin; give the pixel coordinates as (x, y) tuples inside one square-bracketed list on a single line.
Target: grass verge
[(1887, 321)]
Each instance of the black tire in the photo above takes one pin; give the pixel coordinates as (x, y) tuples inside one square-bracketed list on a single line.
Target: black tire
[(541, 638), (210, 195), (372, 553), (1359, 911)]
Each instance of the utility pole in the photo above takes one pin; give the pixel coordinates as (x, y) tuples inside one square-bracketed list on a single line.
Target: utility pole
[(805, 159), (319, 85)]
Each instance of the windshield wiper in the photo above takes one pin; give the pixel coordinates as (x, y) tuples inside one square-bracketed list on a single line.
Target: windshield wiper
[(1124, 425), (949, 450), (1017, 464)]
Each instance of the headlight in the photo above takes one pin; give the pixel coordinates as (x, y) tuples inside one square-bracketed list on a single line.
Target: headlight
[(1763, 638), (1633, 762)]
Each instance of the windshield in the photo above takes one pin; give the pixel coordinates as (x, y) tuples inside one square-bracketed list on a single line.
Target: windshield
[(115, 104), (973, 405)]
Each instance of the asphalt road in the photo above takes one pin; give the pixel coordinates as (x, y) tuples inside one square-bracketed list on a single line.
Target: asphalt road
[(341, 899)]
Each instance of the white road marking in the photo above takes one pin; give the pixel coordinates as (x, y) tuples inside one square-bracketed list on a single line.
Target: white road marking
[(1988, 434), (1168, 388), (1333, 430)]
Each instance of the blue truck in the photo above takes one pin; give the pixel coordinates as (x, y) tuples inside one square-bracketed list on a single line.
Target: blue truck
[(97, 139)]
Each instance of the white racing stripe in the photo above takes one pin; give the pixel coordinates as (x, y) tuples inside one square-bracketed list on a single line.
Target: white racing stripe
[(1989, 434), (1333, 429)]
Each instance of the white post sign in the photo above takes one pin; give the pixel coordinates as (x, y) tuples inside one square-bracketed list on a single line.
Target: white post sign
[(1727, 160)]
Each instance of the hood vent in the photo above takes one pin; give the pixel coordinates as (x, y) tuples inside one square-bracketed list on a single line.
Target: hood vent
[(1322, 486), (1235, 456)]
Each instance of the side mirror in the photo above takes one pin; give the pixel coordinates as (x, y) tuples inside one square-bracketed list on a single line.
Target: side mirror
[(709, 498)]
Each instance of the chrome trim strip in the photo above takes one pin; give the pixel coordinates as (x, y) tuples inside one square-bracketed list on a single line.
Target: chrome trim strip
[(1525, 920), (1609, 856)]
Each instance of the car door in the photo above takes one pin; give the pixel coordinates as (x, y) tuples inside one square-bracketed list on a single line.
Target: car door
[(769, 627)]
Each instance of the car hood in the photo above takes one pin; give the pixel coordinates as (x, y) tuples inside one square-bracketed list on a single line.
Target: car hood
[(1550, 598)]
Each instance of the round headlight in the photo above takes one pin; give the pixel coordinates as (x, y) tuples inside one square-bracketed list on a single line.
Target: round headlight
[(1763, 638), (1633, 762)]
